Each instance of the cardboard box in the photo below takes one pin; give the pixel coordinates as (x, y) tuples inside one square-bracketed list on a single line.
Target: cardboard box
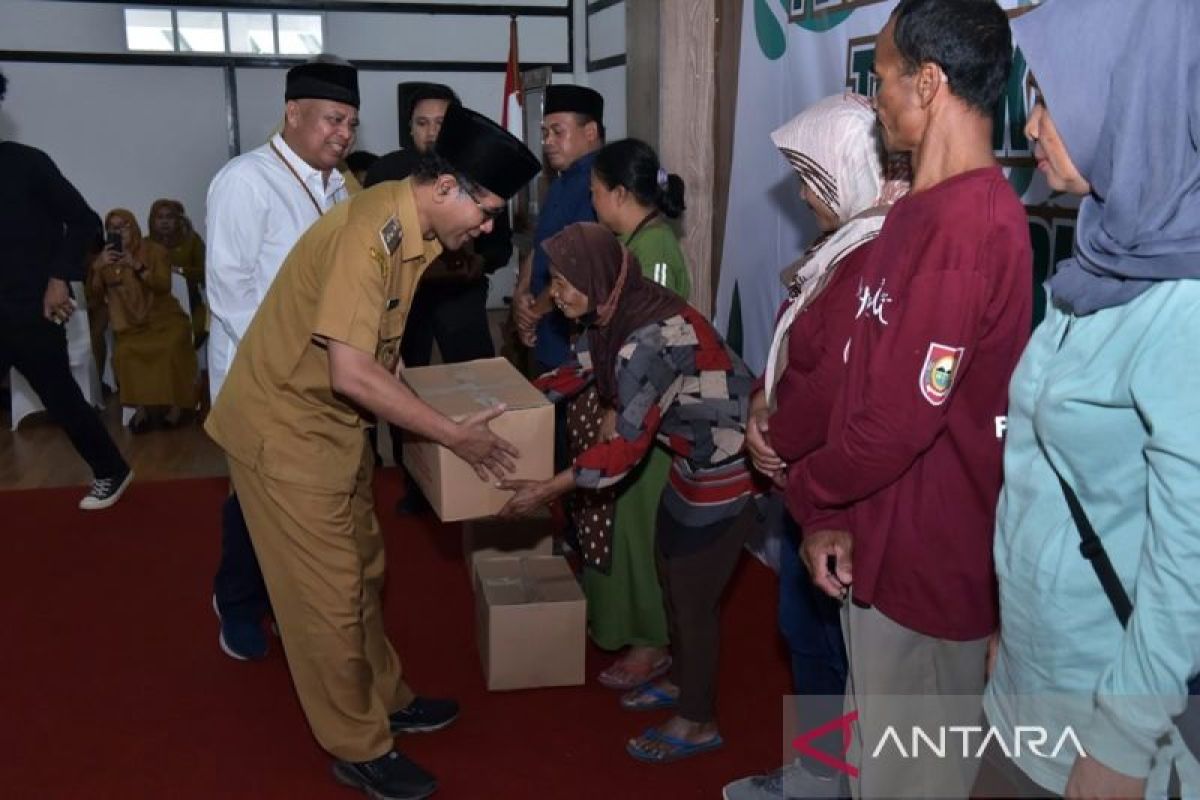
[(459, 390), (530, 622), (489, 538)]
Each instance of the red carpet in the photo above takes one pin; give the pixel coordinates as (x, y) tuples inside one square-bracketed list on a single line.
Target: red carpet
[(112, 685)]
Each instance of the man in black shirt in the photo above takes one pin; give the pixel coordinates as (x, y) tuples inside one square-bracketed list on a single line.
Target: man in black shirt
[(45, 232), (450, 305)]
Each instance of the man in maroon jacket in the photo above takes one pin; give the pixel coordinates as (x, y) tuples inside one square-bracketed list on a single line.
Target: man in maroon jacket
[(902, 496)]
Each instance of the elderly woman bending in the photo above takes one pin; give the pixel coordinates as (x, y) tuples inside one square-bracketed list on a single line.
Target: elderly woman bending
[(669, 376)]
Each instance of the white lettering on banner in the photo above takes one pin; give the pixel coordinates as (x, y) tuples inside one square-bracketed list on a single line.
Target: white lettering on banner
[(993, 736), (1001, 426), (1032, 737), (873, 303)]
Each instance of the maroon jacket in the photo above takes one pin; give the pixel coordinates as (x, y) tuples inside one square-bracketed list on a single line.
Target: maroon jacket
[(817, 340), (912, 463)]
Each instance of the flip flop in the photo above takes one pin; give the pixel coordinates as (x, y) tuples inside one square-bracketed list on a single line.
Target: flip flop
[(681, 747), (636, 678), (658, 699)]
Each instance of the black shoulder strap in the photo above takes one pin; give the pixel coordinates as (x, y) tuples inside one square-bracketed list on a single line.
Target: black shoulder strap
[(1093, 550)]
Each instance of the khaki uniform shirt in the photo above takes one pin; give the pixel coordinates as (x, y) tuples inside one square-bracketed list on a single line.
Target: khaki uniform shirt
[(350, 278)]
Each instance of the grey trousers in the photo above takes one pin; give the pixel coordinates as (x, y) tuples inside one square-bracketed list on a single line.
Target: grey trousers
[(899, 677)]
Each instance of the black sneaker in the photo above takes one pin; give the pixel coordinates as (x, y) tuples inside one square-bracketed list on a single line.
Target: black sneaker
[(106, 491), (424, 715), (389, 777)]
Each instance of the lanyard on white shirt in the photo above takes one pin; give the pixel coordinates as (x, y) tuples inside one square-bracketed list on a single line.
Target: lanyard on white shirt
[(300, 180)]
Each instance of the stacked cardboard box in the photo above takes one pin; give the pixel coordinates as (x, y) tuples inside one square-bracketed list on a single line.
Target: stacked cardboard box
[(491, 538), (530, 614), (458, 391), (530, 622)]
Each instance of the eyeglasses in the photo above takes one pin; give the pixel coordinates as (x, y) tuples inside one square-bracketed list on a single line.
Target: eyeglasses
[(489, 214)]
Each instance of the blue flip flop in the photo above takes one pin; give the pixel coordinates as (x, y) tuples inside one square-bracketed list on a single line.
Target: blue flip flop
[(659, 699), (681, 748)]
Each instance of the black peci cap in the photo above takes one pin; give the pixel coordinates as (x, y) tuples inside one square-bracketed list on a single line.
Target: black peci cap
[(395, 166), (485, 153), (574, 99), (323, 81)]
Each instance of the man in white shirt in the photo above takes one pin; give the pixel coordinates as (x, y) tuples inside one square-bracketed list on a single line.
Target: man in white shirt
[(259, 204)]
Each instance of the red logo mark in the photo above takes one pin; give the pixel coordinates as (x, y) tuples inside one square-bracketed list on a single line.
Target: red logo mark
[(803, 743)]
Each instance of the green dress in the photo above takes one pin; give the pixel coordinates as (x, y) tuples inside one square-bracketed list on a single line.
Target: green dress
[(625, 606)]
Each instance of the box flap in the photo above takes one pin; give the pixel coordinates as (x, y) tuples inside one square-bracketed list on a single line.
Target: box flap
[(520, 581), (458, 390)]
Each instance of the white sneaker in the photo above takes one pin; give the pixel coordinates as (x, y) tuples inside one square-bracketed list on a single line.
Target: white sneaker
[(106, 491)]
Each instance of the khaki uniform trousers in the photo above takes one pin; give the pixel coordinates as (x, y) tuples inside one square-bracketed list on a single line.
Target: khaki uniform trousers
[(322, 558), (896, 677)]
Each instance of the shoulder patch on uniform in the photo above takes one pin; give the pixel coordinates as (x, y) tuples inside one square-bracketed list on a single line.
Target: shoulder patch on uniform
[(390, 234), (937, 373)]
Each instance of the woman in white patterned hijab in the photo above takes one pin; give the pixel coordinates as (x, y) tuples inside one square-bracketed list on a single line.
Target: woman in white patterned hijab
[(838, 156), (835, 148)]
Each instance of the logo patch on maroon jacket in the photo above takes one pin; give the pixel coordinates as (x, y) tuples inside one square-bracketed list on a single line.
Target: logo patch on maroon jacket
[(937, 373)]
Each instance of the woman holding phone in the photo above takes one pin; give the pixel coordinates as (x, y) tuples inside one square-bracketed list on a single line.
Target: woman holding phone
[(153, 359)]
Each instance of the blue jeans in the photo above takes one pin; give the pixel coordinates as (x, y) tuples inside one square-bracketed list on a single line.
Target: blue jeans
[(810, 622)]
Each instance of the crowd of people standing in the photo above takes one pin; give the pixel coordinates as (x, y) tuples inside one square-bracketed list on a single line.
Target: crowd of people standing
[(939, 465)]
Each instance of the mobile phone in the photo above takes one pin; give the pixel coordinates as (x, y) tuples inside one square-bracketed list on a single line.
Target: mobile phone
[(114, 241)]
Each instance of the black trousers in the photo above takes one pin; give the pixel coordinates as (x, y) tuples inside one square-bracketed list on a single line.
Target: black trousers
[(811, 623), (693, 583), (455, 316), (238, 585), (38, 349)]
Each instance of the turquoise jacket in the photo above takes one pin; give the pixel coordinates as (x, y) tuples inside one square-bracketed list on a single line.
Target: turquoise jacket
[(1113, 401)]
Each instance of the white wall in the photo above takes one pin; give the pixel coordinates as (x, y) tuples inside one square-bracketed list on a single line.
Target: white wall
[(61, 27), (100, 28), (127, 134), (607, 31), (611, 84), (546, 3), (123, 135), (443, 37), (604, 37)]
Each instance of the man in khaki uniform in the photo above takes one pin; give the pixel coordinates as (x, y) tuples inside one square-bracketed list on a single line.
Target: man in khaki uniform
[(322, 353)]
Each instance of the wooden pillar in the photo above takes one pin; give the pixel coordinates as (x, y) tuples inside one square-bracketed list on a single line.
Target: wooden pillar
[(687, 80), (728, 54), (642, 70)]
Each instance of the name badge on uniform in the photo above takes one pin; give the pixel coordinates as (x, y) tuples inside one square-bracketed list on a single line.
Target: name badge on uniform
[(390, 234)]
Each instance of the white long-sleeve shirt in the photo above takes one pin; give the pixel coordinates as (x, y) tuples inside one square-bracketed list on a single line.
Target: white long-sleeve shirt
[(257, 210)]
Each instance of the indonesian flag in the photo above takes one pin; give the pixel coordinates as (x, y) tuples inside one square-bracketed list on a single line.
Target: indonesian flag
[(511, 115)]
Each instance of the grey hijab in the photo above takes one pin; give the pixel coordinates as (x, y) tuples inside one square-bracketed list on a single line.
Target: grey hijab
[(1122, 83)]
